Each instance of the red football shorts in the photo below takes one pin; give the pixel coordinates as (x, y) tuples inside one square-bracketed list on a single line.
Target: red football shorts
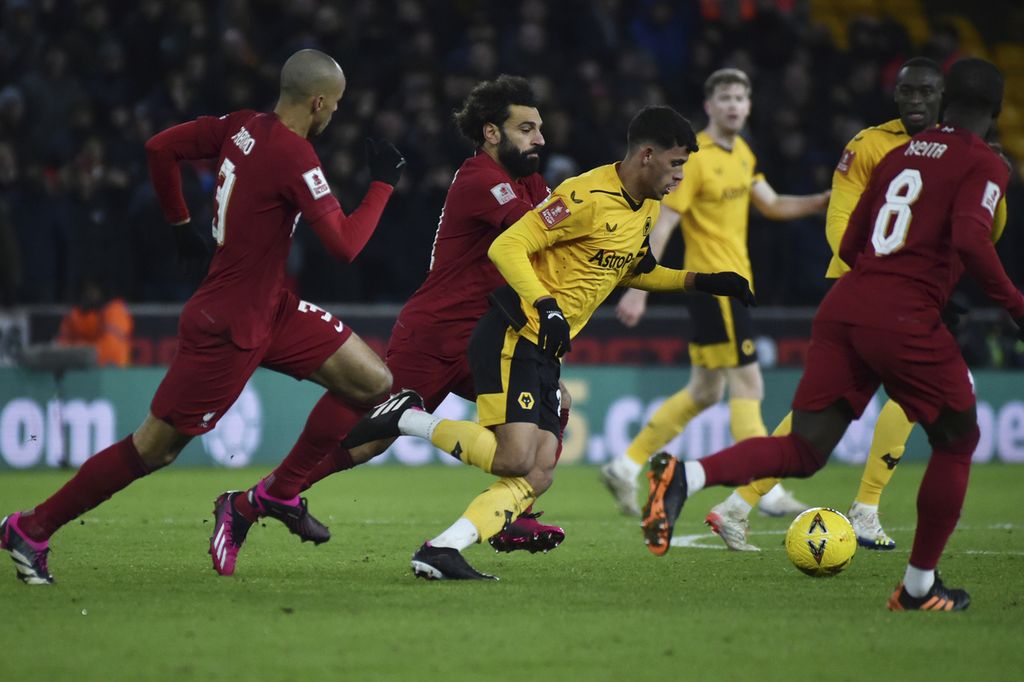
[(209, 372), (923, 374), (414, 366)]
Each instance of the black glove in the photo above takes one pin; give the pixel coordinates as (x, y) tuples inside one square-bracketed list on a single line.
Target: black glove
[(385, 161), (192, 250), (553, 338), (952, 315), (725, 284)]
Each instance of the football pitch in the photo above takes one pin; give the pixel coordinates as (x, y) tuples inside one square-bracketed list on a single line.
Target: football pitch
[(136, 597)]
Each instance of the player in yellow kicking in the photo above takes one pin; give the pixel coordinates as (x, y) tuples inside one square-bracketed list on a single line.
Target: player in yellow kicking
[(918, 95), (561, 260), (713, 202)]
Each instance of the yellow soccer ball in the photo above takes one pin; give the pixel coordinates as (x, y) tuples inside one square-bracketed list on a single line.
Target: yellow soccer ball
[(821, 542)]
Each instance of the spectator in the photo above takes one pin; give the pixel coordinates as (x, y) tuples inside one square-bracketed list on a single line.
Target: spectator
[(101, 322)]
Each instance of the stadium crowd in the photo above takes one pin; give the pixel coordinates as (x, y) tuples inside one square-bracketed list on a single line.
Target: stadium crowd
[(81, 89)]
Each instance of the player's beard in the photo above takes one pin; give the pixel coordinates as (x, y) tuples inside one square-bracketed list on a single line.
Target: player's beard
[(516, 162)]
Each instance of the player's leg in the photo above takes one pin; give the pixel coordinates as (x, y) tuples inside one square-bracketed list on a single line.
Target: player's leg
[(309, 343), (718, 342), (432, 377), (730, 519), (835, 388), (705, 388), (492, 510), (202, 382), (937, 390), (953, 437), (526, 532), (887, 445), (506, 376)]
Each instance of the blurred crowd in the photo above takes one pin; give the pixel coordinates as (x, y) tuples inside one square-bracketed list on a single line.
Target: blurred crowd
[(83, 84)]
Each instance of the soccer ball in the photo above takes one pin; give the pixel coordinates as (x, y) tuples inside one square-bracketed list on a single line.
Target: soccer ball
[(821, 542)]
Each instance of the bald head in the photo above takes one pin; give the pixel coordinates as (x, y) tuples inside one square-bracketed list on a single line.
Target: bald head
[(309, 73)]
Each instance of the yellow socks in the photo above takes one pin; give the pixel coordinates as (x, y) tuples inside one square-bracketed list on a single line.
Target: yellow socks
[(891, 433), (667, 423), (470, 442), (504, 500), (745, 419), (753, 492)]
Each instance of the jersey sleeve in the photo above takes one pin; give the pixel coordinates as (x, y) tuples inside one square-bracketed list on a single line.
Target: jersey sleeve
[(849, 180), (757, 176), (201, 138), (305, 185), (973, 211), (858, 227), (550, 223)]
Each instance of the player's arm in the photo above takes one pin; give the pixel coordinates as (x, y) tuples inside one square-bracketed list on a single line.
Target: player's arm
[(973, 211), (344, 236), (649, 276), (776, 206), (551, 223), (198, 139), (858, 227), (511, 250)]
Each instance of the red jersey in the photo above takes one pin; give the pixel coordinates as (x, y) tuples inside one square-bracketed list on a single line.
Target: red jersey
[(925, 216), (482, 201), (268, 176)]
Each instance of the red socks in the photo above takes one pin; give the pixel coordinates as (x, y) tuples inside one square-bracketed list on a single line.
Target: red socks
[(102, 475), (328, 423), (754, 458), (338, 459), (940, 498)]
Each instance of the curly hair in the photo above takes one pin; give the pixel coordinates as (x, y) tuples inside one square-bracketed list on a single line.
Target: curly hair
[(489, 101)]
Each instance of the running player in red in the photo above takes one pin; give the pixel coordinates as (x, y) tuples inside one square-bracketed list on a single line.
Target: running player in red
[(925, 216), (428, 347), (241, 317)]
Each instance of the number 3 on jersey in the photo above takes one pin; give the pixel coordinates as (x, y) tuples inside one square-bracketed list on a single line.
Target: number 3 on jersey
[(893, 221), (225, 184)]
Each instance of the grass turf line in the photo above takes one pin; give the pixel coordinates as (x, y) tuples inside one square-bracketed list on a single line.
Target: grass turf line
[(137, 598)]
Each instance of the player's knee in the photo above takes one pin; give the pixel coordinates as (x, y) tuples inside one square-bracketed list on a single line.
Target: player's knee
[(707, 393), (955, 432), (374, 385)]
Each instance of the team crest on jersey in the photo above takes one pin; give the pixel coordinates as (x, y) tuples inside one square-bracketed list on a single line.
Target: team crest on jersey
[(845, 161), (503, 193), (647, 226), (316, 182), (990, 199), (554, 213)]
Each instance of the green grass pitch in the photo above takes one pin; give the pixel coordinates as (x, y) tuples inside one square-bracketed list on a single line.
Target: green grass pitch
[(137, 598)]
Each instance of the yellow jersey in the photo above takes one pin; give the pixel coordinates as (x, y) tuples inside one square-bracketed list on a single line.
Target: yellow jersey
[(584, 240), (713, 201), (850, 179)]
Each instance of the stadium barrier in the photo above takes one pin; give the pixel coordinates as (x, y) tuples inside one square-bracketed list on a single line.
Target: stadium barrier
[(610, 404)]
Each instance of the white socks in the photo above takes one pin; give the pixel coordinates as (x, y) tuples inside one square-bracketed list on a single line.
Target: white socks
[(625, 468), (695, 477), (774, 494), (459, 535), (861, 508), (418, 423), (735, 501), (917, 581)]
